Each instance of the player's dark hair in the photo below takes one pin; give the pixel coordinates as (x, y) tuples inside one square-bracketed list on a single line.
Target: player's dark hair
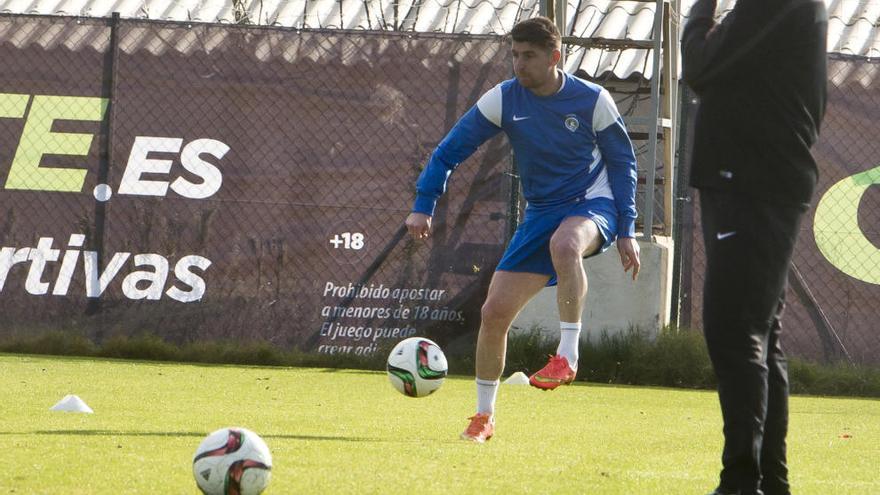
[(539, 31)]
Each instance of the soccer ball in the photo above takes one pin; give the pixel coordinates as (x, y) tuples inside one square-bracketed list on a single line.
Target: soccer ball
[(417, 367), (232, 461)]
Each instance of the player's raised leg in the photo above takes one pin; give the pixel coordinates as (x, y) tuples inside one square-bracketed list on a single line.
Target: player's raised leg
[(508, 294), (575, 238)]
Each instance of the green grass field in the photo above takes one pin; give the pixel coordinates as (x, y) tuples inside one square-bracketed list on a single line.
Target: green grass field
[(346, 431)]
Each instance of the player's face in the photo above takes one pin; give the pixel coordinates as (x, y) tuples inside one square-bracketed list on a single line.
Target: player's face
[(534, 66)]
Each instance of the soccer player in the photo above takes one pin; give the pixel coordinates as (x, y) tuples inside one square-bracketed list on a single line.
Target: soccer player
[(761, 77), (578, 174)]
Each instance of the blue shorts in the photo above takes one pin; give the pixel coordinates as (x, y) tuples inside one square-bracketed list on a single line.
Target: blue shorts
[(529, 250)]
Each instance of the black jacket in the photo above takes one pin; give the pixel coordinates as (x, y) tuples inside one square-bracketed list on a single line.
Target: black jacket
[(761, 78)]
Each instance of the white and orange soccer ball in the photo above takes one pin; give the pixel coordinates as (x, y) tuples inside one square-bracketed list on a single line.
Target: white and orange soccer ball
[(232, 461), (417, 367)]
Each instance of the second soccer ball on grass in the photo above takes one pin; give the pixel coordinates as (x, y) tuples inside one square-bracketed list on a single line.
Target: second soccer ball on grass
[(232, 461)]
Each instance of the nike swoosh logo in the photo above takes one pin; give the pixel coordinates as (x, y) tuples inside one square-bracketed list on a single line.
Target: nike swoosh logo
[(724, 235), (517, 119)]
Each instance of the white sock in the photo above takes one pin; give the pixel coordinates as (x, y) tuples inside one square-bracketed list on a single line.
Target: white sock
[(569, 339), (487, 391)]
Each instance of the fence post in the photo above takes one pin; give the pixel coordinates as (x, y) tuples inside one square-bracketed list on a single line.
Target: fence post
[(93, 306), (683, 222)]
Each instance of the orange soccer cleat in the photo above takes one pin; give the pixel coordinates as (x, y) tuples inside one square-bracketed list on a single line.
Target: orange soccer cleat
[(557, 372), (481, 428)]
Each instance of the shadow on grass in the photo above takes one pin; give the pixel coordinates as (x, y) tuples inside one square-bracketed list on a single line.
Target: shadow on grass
[(184, 434), (351, 371)]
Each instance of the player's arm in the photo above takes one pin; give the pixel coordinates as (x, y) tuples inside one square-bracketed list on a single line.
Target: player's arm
[(712, 51), (475, 127), (620, 160)]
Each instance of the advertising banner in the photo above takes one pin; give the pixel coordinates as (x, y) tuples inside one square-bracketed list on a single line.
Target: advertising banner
[(204, 182)]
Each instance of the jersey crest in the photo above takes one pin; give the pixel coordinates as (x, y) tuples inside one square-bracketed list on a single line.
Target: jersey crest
[(571, 122)]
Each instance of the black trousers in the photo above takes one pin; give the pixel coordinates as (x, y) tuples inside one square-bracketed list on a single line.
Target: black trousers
[(749, 244)]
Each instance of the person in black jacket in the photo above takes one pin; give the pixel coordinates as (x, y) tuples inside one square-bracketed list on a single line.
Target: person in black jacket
[(761, 77)]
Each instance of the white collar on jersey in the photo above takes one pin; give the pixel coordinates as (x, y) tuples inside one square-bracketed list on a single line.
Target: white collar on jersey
[(562, 75)]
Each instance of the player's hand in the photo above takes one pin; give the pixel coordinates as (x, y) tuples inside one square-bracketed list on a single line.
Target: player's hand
[(418, 225), (629, 255)]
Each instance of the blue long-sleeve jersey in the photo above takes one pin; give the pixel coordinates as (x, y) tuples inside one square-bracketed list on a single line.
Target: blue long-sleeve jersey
[(569, 145)]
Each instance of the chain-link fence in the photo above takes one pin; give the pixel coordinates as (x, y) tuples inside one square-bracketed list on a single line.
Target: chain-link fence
[(834, 281), (230, 182), (247, 182)]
